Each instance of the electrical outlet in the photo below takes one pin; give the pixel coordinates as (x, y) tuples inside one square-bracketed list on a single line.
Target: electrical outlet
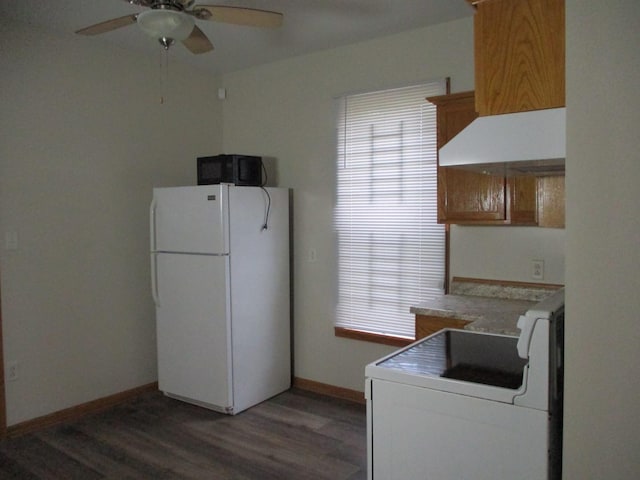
[(537, 269), (313, 255), (12, 371)]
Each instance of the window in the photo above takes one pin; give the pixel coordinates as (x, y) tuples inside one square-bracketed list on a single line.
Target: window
[(391, 250)]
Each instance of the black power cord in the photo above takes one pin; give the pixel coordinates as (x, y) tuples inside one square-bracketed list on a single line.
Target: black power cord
[(265, 226)]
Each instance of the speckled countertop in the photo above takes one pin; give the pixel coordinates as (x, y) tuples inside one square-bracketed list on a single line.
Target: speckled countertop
[(490, 308), (494, 315)]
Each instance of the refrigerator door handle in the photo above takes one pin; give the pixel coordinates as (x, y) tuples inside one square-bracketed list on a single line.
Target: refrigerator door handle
[(152, 240), (154, 279), (152, 226)]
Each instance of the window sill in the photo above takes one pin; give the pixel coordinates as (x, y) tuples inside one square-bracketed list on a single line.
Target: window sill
[(372, 337)]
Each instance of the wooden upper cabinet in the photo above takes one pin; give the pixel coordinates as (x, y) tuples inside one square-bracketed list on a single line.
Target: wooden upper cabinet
[(519, 62), (463, 195), (470, 197), (519, 55), (455, 112)]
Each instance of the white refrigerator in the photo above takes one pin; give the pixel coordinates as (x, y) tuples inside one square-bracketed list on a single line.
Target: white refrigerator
[(220, 284)]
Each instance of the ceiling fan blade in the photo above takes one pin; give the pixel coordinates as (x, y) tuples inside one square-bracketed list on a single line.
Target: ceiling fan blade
[(109, 25), (239, 16), (197, 42)]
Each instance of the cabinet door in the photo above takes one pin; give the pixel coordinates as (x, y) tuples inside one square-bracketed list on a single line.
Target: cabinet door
[(523, 206), (468, 197), (427, 324), (551, 201), (519, 55)]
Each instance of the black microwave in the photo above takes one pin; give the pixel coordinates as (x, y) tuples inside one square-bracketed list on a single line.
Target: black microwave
[(235, 169)]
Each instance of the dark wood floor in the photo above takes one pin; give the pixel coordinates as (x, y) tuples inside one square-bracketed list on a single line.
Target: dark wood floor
[(296, 435)]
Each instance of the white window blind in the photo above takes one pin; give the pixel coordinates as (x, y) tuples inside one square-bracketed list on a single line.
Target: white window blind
[(390, 248)]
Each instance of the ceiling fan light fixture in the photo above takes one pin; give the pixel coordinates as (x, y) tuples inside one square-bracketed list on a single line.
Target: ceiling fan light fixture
[(166, 24)]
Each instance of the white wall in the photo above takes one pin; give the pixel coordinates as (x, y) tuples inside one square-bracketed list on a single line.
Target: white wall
[(84, 139), (602, 415), (506, 253)]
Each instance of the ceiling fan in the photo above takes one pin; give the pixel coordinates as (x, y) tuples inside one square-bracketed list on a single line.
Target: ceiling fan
[(174, 20)]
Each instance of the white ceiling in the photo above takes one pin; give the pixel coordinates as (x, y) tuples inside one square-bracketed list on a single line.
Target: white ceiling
[(308, 26)]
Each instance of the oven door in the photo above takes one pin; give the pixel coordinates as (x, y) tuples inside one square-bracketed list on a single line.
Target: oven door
[(420, 433)]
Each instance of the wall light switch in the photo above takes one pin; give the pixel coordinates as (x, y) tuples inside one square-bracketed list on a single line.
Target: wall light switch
[(12, 371)]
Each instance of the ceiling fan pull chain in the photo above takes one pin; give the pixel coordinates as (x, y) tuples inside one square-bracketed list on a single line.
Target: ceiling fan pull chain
[(164, 72)]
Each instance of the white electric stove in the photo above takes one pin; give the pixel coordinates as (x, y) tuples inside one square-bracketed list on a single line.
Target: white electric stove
[(468, 405)]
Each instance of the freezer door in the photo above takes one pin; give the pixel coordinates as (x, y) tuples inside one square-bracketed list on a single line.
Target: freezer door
[(190, 219), (193, 328)]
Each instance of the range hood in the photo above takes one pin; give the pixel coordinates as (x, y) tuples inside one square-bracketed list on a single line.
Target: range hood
[(523, 143)]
